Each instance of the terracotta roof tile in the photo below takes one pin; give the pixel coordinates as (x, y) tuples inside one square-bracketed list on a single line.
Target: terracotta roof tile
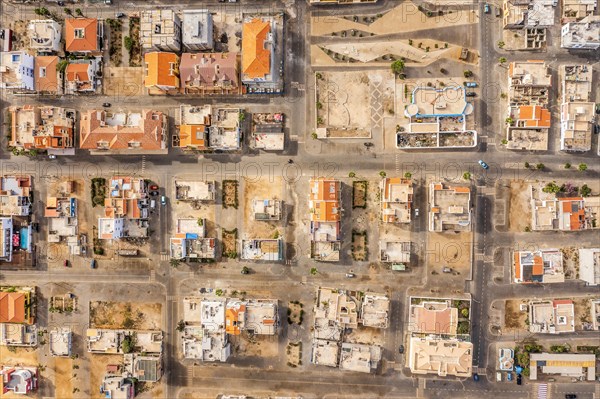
[(87, 40), (162, 69), (49, 81), (256, 59), (12, 307)]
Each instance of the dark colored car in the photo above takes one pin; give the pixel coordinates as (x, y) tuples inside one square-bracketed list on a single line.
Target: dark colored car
[(570, 396), (519, 379), (93, 264), (66, 263), (154, 187), (401, 349), (60, 3), (475, 377), (471, 94), (120, 15), (106, 105), (154, 193)]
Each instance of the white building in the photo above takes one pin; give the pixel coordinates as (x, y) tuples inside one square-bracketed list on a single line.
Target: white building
[(197, 30), (45, 35), (584, 34), (6, 246), (110, 228), (17, 71), (589, 265), (160, 30)]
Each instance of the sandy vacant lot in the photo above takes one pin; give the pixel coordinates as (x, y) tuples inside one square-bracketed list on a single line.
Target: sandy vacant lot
[(449, 249), (134, 315), (123, 81), (257, 346), (513, 317), (520, 209), (19, 357), (63, 372)]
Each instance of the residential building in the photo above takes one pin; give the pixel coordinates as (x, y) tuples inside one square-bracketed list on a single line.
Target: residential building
[(441, 356), (82, 76), (584, 34), (258, 317), (18, 335), (520, 14), (126, 209), (551, 317), (109, 341), (506, 359), (160, 30), (162, 71), (15, 195), (325, 218), (48, 78), (529, 129), (267, 131), (83, 35), (396, 199), (60, 341), (433, 316), (17, 72), (197, 30), (576, 10), (45, 35), (209, 342), (449, 208), (144, 367), (15, 307), (577, 110), (195, 190), (549, 212), (258, 46), (61, 213), (325, 353), (18, 380), (595, 313), (225, 131), (359, 357), (334, 311), (267, 209), (263, 249), (6, 239), (375, 310), (395, 252), (342, 1), (529, 83), (540, 266), (210, 73), (565, 364), (194, 123), (142, 132), (589, 265), (190, 241), (43, 128), (117, 387)]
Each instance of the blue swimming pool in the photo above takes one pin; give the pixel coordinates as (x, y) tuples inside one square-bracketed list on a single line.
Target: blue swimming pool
[(24, 238)]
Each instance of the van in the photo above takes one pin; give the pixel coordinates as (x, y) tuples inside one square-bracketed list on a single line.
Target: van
[(152, 204)]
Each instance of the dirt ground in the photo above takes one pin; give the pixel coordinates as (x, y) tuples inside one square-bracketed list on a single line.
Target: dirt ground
[(63, 371), (263, 188), (582, 312), (514, 318), (228, 23), (184, 210), (570, 262), (134, 315), (98, 365), (368, 336), (519, 216), (360, 250), (294, 353), (451, 250), (257, 346), (229, 240), (230, 193), (123, 81), (20, 357), (295, 309), (359, 194)]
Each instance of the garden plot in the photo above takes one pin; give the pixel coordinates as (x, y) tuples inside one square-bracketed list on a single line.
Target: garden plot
[(126, 315)]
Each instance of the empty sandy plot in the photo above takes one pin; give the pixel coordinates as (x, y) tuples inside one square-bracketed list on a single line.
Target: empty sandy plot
[(134, 315), (123, 81), (451, 250), (520, 207), (63, 372), (514, 318), (261, 189), (19, 356), (258, 346)]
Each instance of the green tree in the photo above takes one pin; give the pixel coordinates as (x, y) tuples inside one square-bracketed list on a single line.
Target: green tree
[(180, 326), (397, 66), (219, 292), (540, 166), (468, 73), (509, 121), (527, 165), (465, 312), (407, 175), (174, 262), (551, 188), (585, 191), (313, 271), (502, 60), (567, 166), (62, 66), (382, 173), (351, 174), (128, 344), (314, 135), (68, 11), (79, 12), (582, 167), (467, 176), (128, 42), (501, 44)]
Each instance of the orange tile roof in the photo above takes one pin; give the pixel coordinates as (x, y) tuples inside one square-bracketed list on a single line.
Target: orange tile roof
[(256, 59), (232, 317), (534, 116), (49, 82), (77, 73), (162, 69), (89, 41), (562, 302), (435, 321), (149, 133), (324, 195), (538, 266), (192, 135), (12, 307), (517, 265)]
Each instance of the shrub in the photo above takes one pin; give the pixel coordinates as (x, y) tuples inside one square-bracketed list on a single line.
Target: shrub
[(582, 167), (397, 66), (468, 73), (567, 166)]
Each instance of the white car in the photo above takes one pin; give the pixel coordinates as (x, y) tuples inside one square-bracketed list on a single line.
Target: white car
[(52, 156), (416, 212)]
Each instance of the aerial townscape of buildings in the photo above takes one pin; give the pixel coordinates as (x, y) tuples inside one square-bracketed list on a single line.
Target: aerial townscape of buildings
[(299, 199)]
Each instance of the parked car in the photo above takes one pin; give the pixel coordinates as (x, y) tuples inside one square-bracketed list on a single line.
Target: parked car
[(475, 377), (486, 8), (120, 15), (153, 193), (154, 187), (93, 264), (66, 263), (416, 212), (509, 376), (106, 105), (519, 379), (446, 269), (570, 396), (498, 12), (471, 84), (51, 156), (60, 3), (350, 275), (483, 164), (471, 94), (401, 349), (163, 200)]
